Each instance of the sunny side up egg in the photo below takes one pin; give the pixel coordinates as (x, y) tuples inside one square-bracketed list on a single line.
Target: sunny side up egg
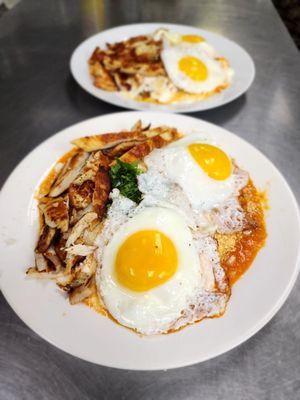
[(193, 71), (203, 171), (192, 64), (186, 40), (151, 271)]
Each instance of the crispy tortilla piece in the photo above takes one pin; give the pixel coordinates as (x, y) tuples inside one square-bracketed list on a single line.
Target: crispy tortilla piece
[(81, 195), (101, 193), (138, 55), (107, 140), (97, 56), (160, 130), (56, 212), (120, 149), (45, 239), (102, 78), (68, 173), (59, 247), (139, 151), (90, 169)]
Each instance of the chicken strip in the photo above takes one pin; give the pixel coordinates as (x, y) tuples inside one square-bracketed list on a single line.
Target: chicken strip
[(101, 193), (69, 172), (56, 212)]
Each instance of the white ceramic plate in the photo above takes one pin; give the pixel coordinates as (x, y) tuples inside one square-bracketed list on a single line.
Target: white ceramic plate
[(238, 58), (82, 332)]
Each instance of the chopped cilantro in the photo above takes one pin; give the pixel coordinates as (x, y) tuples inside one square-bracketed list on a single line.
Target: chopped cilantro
[(124, 177)]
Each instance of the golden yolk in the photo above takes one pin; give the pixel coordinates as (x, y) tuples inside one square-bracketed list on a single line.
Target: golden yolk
[(145, 260), (194, 68), (214, 162), (192, 38)]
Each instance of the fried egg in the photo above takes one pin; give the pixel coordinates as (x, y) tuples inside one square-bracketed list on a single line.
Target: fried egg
[(194, 71), (204, 172), (156, 275), (185, 40)]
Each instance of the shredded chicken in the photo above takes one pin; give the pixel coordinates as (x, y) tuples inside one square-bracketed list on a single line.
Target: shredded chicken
[(51, 255), (81, 225), (81, 249), (76, 215), (45, 239)]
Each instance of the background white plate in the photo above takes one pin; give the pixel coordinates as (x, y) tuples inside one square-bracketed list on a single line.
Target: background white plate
[(82, 332), (238, 58)]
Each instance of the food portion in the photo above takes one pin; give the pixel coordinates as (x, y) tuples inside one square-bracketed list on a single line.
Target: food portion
[(148, 226), (163, 68)]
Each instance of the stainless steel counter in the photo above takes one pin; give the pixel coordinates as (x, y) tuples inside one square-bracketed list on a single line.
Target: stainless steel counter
[(38, 97)]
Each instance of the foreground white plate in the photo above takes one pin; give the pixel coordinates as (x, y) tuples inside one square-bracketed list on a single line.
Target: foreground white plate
[(82, 332), (238, 58)]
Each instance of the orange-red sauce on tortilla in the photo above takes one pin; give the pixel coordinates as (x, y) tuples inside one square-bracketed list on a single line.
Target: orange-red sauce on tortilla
[(238, 250)]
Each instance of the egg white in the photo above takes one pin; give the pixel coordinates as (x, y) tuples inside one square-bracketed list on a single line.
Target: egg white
[(155, 310), (203, 192), (217, 74), (175, 39)]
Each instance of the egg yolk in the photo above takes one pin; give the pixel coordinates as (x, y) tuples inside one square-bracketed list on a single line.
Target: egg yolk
[(192, 38), (194, 68), (145, 260), (214, 162)]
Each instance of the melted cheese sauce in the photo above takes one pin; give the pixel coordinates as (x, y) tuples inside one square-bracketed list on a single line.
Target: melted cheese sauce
[(183, 97)]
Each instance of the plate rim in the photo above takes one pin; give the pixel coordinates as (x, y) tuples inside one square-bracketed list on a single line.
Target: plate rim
[(232, 344), (123, 103)]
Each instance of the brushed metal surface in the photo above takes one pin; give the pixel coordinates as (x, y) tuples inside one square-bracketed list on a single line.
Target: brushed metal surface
[(38, 97)]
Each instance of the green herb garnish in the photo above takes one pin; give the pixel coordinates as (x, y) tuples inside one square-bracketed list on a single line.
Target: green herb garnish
[(124, 177)]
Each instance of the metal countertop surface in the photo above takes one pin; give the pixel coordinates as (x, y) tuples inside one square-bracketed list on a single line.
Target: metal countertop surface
[(38, 97)]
